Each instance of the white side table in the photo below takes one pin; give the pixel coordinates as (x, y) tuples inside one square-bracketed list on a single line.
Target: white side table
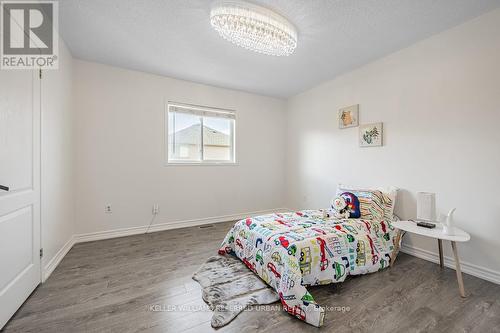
[(437, 232)]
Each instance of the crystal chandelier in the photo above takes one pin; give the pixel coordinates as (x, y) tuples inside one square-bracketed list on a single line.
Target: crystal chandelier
[(253, 27)]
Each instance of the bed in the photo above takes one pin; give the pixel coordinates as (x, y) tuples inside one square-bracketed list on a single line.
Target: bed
[(291, 251)]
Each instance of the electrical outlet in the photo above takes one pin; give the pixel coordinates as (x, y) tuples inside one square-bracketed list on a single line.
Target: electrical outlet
[(107, 209), (156, 209)]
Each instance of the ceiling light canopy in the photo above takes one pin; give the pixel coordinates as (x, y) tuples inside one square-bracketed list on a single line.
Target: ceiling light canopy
[(253, 27)]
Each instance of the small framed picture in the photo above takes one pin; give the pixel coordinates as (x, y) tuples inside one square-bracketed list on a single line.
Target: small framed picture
[(348, 116), (370, 135)]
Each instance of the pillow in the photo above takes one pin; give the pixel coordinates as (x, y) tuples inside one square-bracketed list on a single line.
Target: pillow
[(390, 193), (375, 203)]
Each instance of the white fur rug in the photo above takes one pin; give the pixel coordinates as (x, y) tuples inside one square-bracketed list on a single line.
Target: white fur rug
[(229, 287)]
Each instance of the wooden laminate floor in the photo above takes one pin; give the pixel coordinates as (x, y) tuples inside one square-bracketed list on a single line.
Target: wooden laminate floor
[(110, 286)]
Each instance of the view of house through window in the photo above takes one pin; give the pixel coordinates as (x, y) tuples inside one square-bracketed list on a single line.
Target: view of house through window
[(200, 134)]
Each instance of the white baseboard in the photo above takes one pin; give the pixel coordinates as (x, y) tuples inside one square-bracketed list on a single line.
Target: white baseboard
[(54, 262), (81, 238), (466, 267), (167, 226), (475, 270)]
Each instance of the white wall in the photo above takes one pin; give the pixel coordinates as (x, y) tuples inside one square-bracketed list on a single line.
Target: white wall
[(57, 185), (120, 152), (440, 103)]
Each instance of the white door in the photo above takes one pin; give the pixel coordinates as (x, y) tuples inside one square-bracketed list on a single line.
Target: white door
[(20, 204)]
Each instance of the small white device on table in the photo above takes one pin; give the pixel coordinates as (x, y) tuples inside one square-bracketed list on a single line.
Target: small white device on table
[(454, 235)]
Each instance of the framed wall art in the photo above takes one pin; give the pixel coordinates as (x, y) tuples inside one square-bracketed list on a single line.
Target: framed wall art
[(370, 135), (349, 116)]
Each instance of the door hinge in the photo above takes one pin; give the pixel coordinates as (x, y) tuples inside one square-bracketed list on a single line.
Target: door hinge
[(41, 253)]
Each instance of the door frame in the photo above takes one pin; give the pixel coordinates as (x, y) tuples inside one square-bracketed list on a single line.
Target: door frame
[(37, 104)]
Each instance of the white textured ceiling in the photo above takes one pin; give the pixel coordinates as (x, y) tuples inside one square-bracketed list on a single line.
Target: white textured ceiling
[(174, 38)]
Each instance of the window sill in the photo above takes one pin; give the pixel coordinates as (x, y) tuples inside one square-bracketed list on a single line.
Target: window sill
[(173, 164)]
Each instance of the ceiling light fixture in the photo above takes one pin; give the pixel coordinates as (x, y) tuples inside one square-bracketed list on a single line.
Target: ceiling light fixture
[(253, 27)]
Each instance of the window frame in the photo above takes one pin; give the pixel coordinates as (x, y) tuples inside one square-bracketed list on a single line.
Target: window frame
[(199, 108)]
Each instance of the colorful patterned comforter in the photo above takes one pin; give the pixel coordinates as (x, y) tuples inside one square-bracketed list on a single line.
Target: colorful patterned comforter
[(290, 251)]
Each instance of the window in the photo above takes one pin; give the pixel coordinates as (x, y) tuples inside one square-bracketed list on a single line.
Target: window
[(199, 135)]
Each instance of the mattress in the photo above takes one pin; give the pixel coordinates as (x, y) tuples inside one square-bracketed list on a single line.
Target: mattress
[(291, 251)]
